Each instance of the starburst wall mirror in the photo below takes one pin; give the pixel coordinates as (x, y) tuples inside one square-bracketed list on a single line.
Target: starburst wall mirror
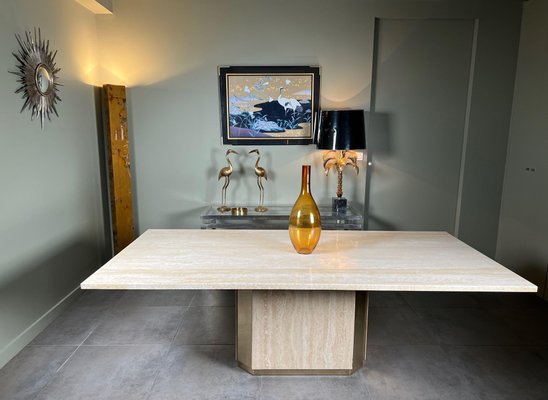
[(38, 77)]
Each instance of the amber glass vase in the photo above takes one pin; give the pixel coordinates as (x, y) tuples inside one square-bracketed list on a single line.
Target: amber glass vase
[(304, 222)]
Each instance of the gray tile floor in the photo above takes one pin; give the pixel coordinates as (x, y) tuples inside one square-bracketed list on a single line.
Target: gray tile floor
[(180, 345)]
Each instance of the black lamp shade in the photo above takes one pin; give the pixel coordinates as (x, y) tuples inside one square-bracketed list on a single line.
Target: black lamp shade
[(341, 130)]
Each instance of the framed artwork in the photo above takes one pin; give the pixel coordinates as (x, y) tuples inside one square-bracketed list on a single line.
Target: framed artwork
[(269, 105)]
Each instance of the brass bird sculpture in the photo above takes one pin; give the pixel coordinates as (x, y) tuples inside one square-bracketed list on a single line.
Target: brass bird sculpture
[(225, 172), (261, 173)]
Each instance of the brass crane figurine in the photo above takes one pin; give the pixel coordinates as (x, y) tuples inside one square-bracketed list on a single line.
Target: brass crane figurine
[(225, 172), (261, 173)]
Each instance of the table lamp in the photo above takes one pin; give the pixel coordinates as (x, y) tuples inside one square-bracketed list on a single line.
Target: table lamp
[(340, 132)]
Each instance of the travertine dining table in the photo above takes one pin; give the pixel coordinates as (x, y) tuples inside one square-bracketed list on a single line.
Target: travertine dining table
[(303, 314)]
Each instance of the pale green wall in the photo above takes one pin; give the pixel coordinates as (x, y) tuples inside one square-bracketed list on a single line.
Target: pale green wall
[(50, 218), (490, 108), (167, 53), (523, 234)]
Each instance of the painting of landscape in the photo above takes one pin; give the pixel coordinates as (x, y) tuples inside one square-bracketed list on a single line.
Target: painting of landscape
[(271, 108)]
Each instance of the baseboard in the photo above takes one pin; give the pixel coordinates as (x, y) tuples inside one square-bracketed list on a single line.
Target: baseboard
[(25, 337)]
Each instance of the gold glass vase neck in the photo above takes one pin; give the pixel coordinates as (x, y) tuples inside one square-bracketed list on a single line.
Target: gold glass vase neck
[(305, 180), (304, 220)]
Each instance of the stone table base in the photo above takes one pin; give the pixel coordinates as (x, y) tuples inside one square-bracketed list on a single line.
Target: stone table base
[(303, 332)]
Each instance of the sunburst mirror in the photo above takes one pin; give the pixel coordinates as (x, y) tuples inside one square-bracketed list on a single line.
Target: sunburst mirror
[(38, 77)]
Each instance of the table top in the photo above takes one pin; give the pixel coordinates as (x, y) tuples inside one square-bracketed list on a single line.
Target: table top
[(277, 217), (265, 259)]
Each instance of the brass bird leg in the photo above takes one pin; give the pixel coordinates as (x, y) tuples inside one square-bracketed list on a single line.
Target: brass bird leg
[(260, 207)]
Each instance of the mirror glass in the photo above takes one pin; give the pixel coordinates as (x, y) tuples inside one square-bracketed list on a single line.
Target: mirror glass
[(44, 80)]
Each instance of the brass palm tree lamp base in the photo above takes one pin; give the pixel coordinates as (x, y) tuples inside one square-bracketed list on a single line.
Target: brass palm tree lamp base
[(339, 159)]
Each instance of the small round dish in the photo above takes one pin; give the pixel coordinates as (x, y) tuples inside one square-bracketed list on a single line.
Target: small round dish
[(238, 211)]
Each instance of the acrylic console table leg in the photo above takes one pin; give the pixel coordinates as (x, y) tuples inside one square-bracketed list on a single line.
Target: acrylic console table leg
[(301, 332)]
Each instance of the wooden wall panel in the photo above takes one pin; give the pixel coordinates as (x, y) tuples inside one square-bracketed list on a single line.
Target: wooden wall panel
[(118, 156)]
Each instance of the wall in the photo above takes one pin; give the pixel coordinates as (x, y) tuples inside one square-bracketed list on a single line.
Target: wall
[(523, 233), (424, 138), (50, 219), (488, 119), (171, 69), (167, 53)]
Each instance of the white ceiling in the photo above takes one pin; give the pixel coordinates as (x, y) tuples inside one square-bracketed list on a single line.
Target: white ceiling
[(97, 6)]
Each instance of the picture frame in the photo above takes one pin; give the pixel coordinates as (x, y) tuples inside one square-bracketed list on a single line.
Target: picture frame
[(262, 105)]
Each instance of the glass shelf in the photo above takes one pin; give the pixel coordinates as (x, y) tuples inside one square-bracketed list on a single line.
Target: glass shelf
[(277, 217)]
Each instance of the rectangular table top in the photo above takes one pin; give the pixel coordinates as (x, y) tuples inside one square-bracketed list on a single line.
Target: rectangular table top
[(343, 260)]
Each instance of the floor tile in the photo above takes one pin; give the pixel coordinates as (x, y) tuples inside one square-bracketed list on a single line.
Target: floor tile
[(203, 372), (137, 325), (106, 372), (497, 348), (98, 298), (72, 327), (207, 325), (397, 326), (468, 326), (314, 387), (214, 298), (502, 372), (31, 370), (413, 372), (386, 299), (510, 300), (440, 300), (150, 298), (531, 325), (543, 352)]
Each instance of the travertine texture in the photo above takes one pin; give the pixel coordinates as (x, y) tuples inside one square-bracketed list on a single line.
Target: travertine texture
[(343, 260), (302, 330)]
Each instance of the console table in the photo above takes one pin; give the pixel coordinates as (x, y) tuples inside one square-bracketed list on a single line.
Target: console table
[(277, 217), (303, 314)]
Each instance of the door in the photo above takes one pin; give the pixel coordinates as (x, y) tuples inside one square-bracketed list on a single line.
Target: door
[(421, 77)]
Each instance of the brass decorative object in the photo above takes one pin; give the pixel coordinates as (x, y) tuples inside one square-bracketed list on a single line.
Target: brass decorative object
[(38, 77), (225, 172), (304, 221), (239, 211), (339, 159), (261, 173)]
